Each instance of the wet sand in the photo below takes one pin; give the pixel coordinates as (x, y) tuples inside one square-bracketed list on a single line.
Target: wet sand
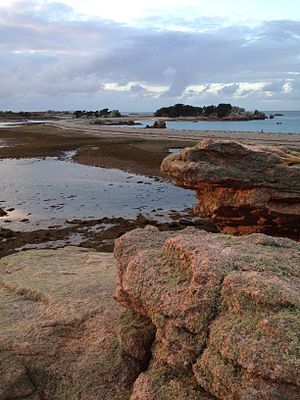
[(136, 150), (124, 151), (183, 135)]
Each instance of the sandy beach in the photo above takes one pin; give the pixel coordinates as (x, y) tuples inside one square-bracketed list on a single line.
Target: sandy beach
[(184, 135)]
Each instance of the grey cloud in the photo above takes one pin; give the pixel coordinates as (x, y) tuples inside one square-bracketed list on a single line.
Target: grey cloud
[(137, 89), (229, 89), (50, 51)]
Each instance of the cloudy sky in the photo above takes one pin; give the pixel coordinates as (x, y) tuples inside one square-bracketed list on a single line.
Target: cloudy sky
[(139, 55)]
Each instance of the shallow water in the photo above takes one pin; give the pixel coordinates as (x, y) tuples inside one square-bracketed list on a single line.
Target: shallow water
[(18, 123), (174, 149), (48, 192)]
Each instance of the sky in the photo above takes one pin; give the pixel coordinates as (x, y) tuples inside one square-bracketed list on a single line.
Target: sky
[(140, 55)]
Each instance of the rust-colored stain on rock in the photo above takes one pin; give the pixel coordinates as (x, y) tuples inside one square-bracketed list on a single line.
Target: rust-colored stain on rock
[(241, 188)]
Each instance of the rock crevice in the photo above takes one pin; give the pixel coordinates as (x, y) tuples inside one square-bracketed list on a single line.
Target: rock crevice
[(225, 310)]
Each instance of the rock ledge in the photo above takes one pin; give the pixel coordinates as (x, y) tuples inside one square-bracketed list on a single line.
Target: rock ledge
[(241, 188)]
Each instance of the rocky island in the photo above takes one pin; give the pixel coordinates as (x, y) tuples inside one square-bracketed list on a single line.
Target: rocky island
[(223, 112)]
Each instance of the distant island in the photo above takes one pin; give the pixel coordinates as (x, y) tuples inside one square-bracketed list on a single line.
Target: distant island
[(32, 115), (223, 111), (105, 116)]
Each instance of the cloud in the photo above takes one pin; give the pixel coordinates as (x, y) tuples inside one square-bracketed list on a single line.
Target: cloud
[(49, 51)]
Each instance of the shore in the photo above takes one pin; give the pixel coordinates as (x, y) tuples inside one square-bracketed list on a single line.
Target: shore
[(169, 134), (136, 150)]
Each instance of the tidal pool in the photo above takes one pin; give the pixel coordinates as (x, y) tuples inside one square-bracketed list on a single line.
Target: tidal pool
[(39, 193)]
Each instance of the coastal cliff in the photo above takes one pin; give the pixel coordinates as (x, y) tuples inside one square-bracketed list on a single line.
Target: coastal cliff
[(241, 188)]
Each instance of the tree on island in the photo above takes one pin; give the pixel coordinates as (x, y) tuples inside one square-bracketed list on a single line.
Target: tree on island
[(179, 110), (78, 114), (209, 110), (104, 113), (222, 111)]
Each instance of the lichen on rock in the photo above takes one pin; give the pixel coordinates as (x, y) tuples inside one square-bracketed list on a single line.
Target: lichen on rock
[(226, 311), (59, 328)]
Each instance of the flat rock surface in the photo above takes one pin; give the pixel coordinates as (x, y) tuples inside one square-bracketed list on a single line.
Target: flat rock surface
[(58, 337), (226, 311), (242, 188)]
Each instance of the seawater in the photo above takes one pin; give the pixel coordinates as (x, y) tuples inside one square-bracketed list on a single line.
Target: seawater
[(8, 124), (50, 191), (288, 123)]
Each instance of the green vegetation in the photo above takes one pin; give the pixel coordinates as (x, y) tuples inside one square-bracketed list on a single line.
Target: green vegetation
[(221, 111), (179, 110), (104, 113), (24, 115)]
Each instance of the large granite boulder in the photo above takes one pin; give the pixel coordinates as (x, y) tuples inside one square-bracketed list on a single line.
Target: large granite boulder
[(59, 328), (226, 311), (241, 188)]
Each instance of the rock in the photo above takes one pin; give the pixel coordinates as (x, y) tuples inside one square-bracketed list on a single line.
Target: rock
[(2, 213), (119, 121), (245, 116), (15, 382), (136, 335), (226, 310), (159, 124), (241, 188), (59, 328)]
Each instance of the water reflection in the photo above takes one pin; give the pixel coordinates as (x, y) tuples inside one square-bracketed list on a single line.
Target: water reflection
[(50, 191)]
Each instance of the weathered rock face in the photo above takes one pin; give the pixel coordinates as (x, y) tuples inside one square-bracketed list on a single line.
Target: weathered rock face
[(58, 328), (241, 188), (226, 311)]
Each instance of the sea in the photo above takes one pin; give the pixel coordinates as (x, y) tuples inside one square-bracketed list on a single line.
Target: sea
[(7, 124), (289, 122)]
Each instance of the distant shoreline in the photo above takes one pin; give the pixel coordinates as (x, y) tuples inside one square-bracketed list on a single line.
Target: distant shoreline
[(292, 139)]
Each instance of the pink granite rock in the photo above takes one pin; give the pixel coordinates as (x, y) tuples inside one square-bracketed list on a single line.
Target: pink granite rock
[(225, 310), (241, 188)]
